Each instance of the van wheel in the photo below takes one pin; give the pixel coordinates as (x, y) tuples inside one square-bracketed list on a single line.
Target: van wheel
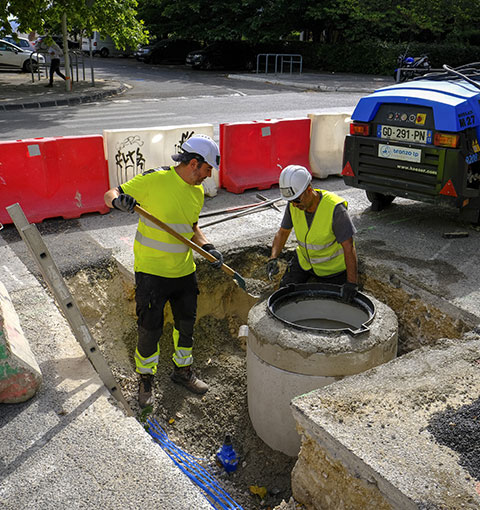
[(104, 52), (378, 200)]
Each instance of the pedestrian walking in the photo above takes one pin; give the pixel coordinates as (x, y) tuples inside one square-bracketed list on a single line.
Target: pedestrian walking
[(55, 53), (164, 266)]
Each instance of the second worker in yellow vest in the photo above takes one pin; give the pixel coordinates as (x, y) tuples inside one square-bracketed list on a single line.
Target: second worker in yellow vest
[(324, 231)]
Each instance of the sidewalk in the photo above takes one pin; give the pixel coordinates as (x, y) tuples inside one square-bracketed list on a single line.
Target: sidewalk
[(17, 91), (320, 81)]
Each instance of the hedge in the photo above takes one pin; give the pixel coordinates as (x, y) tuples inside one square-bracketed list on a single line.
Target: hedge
[(379, 57)]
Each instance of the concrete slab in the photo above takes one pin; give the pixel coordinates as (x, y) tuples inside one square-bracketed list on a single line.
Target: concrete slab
[(70, 446), (369, 442)]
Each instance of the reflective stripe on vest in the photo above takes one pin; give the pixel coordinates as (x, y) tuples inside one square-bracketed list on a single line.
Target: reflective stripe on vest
[(159, 245), (180, 228), (165, 195), (321, 260), (317, 247)]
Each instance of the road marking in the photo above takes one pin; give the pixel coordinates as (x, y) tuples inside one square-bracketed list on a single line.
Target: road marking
[(441, 250), (238, 92), (394, 222)]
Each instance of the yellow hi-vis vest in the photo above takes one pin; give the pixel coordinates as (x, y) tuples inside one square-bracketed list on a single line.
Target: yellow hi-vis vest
[(165, 195), (317, 247)]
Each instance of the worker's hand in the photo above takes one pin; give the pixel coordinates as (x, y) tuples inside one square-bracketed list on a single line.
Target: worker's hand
[(217, 264), (349, 291), (124, 202), (272, 268)]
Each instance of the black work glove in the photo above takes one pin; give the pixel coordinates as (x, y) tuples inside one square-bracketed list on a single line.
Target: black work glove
[(349, 291), (217, 264), (272, 268), (124, 202)]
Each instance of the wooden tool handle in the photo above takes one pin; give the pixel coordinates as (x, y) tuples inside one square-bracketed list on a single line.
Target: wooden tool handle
[(184, 240)]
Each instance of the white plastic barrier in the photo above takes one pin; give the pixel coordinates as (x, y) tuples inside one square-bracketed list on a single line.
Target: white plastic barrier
[(326, 142), (132, 151)]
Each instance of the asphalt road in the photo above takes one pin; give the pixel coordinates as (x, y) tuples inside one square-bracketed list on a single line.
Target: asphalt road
[(169, 95), (409, 232)]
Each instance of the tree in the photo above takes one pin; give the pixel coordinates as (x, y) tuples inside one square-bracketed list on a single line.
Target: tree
[(117, 18)]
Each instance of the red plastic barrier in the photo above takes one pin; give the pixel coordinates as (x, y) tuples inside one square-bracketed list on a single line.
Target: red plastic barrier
[(254, 153), (50, 177)]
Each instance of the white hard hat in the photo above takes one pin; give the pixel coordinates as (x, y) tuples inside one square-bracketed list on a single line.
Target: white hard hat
[(293, 181), (202, 145)]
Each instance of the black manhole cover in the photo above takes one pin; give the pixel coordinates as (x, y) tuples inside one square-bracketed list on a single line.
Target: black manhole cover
[(319, 307)]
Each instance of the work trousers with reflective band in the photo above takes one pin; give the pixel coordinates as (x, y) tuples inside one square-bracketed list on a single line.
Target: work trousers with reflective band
[(151, 296)]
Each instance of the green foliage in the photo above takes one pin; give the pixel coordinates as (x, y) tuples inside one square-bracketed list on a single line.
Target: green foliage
[(380, 57), (330, 21), (116, 18)]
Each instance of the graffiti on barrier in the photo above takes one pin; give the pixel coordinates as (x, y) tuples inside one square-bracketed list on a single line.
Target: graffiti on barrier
[(129, 158), (183, 138)]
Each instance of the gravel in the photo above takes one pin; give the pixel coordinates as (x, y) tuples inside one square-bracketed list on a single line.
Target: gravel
[(459, 429)]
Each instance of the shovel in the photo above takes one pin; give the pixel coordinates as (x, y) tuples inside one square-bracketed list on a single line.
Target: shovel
[(226, 269)]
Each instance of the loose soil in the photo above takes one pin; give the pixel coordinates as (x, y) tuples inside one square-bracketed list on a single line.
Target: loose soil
[(197, 424)]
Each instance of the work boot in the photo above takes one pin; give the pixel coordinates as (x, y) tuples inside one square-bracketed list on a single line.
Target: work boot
[(186, 377), (145, 394)]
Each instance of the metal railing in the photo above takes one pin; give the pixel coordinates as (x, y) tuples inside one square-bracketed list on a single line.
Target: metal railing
[(77, 59), (37, 67), (279, 60)]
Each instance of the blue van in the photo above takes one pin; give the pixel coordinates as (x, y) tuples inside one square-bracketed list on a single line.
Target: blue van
[(419, 140)]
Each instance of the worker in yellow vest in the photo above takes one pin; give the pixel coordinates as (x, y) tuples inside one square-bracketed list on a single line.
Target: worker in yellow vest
[(164, 266), (324, 231)]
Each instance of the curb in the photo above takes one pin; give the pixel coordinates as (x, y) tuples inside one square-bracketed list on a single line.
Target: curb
[(87, 98), (321, 87)]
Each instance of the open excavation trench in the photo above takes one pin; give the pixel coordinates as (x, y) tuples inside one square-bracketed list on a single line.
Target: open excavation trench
[(198, 424)]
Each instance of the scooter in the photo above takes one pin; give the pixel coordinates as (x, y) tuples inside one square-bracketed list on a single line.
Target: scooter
[(410, 67)]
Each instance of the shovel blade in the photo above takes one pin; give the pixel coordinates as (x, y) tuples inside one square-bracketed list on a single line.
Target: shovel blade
[(240, 281)]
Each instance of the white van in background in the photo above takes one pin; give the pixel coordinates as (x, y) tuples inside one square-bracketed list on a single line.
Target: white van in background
[(104, 46)]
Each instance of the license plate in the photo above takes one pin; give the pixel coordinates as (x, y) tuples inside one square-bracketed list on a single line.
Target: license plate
[(405, 134), (401, 153)]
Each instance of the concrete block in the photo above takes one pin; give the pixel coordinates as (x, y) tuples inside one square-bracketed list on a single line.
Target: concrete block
[(132, 151), (20, 375), (284, 362), (372, 440), (326, 143)]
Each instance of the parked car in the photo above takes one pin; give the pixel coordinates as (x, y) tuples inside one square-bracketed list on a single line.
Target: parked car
[(143, 52), (104, 46), (72, 45), (41, 44), (170, 51), (21, 42), (13, 58), (223, 54)]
